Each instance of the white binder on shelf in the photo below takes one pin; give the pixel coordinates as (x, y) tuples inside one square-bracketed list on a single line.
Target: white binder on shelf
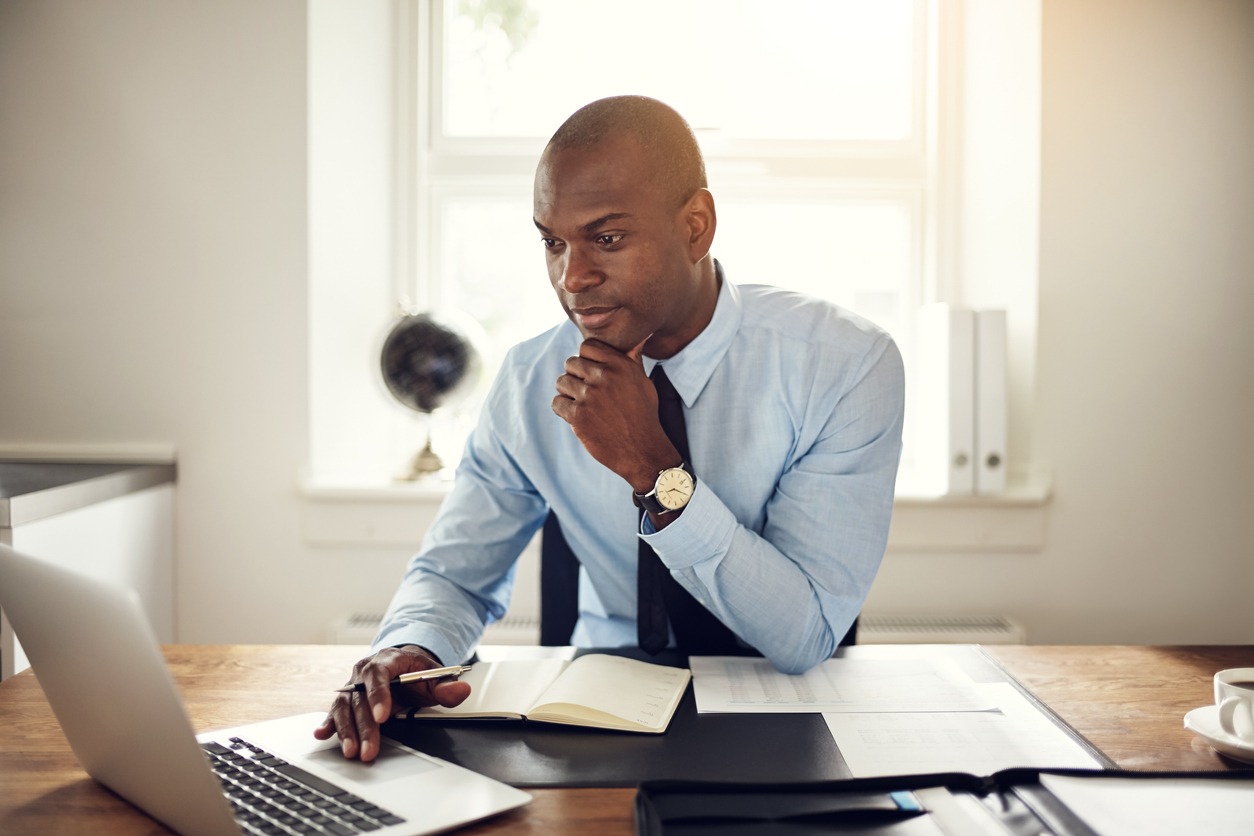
[(990, 401), (945, 437)]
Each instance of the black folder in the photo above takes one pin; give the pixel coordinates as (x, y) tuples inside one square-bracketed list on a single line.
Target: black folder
[(1014, 798), (709, 747), (760, 748)]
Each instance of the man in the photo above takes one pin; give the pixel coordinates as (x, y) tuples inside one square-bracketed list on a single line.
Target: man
[(770, 507)]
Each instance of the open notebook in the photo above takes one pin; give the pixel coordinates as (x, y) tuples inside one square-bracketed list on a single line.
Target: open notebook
[(596, 691), (130, 732)]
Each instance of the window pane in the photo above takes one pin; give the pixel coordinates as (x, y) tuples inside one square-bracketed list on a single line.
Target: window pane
[(837, 69), (493, 268), (856, 254)]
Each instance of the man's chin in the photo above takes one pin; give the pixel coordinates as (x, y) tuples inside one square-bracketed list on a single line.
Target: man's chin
[(617, 344), (613, 338)]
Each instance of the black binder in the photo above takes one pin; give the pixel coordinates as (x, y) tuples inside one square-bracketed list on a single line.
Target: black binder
[(883, 806)]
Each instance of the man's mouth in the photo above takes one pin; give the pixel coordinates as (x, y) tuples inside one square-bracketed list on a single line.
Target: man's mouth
[(592, 318)]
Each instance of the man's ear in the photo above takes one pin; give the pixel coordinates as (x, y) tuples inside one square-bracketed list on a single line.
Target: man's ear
[(700, 221)]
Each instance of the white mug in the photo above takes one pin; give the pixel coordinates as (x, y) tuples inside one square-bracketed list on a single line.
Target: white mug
[(1234, 695)]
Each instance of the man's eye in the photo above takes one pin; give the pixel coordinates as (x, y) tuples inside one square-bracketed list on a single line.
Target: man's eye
[(608, 240), (549, 243)]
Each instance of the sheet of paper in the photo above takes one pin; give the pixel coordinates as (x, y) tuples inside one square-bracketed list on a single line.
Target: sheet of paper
[(1161, 807), (1016, 734), (737, 684), (635, 691)]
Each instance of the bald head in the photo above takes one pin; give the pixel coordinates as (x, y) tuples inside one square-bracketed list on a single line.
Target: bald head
[(670, 148)]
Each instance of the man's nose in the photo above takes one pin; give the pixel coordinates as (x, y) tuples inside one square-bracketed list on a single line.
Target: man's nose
[(580, 271)]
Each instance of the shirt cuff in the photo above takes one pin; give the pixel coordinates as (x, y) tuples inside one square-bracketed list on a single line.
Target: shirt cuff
[(703, 532)]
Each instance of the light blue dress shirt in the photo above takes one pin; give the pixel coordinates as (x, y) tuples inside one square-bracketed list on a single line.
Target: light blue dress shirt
[(794, 415)]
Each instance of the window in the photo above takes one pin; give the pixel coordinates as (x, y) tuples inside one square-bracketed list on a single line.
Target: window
[(830, 131), (817, 155)]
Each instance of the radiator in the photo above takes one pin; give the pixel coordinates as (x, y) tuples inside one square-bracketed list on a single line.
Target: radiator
[(939, 629), (508, 630), (359, 628), (354, 628)]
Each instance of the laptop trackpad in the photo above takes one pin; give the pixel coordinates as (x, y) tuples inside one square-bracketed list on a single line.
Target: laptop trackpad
[(392, 763)]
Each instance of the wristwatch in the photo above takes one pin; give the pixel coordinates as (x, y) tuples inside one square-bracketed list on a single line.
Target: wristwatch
[(671, 491)]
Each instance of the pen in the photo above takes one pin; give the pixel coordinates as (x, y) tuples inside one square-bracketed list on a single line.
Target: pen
[(416, 676)]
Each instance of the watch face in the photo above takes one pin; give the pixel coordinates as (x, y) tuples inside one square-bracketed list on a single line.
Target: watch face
[(674, 488)]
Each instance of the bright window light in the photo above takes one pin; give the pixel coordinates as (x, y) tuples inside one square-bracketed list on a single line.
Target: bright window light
[(748, 69)]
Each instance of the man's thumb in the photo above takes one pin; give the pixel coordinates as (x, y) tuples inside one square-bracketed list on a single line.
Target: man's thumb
[(636, 354)]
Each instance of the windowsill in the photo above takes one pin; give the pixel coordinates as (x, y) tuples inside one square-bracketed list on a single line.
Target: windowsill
[(1023, 492), (1012, 521), (430, 491), (343, 513)]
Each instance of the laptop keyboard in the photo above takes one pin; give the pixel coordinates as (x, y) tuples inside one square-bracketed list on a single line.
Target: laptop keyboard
[(271, 796)]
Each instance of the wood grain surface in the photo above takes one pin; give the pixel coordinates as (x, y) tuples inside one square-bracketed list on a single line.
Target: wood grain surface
[(1129, 701)]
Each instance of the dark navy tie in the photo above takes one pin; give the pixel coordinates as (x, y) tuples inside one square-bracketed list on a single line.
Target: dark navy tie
[(661, 598)]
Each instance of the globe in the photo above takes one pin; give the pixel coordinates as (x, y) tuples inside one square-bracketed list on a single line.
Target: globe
[(428, 361)]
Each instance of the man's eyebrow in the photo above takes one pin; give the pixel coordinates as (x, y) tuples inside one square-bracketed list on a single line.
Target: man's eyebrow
[(593, 226), (590, 226)]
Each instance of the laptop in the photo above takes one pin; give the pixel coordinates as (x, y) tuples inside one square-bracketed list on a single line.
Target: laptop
[(100, 666)]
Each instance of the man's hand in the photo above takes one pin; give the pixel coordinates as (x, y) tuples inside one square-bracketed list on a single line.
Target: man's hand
[(611, 405), (356, 717)]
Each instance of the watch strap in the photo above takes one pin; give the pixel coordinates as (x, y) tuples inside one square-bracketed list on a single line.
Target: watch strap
[(648, 501)]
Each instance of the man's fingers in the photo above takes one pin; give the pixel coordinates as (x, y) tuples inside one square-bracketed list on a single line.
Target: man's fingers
[(583, 369), (339, 721), (378, 696), (355, 716), (562, 407), (449, 693), (571, 386), (325, 729), (445, 692), (367, 729)]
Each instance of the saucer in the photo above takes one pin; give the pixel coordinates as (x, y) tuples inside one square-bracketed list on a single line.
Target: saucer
[(1204, 722)]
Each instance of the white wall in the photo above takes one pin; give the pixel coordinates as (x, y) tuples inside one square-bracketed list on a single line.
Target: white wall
[(153, 267), (153, 275), (1145, 364)]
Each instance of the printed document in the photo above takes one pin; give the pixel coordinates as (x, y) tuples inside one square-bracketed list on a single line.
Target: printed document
[(981, 743), (738, 684)]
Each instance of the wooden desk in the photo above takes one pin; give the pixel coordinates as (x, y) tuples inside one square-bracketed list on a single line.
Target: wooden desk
[(1128, 701)]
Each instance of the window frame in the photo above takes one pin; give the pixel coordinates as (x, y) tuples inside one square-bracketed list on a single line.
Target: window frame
[(917, 172), (370, 101)]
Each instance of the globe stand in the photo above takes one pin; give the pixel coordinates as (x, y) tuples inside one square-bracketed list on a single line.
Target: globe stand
[(426, 462)]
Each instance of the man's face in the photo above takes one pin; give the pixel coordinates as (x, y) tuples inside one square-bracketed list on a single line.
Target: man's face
[(617, 248)]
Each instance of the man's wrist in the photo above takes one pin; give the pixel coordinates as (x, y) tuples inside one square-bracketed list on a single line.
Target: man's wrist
[(648, 481), (411, 648)]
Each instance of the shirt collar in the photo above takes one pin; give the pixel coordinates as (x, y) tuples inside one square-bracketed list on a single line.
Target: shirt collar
[(691, 369)]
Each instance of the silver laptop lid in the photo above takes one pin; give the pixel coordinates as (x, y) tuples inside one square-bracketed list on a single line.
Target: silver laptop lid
[(102, 670), (100, 666)]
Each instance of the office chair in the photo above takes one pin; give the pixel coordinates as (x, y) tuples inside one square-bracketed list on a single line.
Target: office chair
[(559, 589), (559, 586)]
